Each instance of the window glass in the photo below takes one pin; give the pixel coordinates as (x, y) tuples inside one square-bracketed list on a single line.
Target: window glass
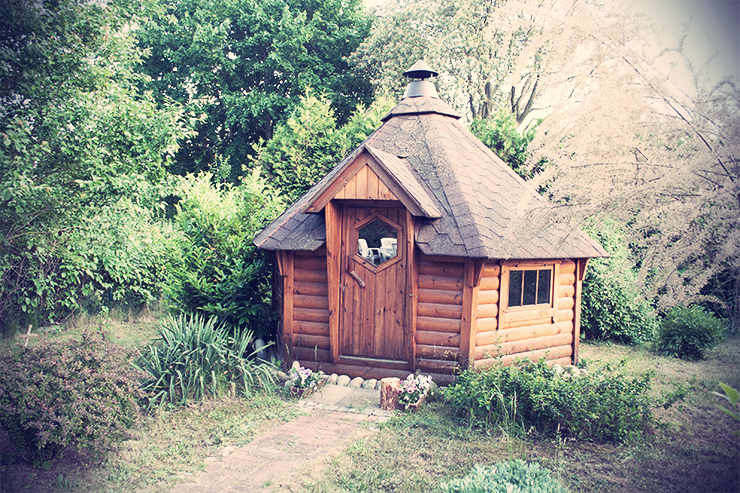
[(515, 287), (543, 289), (377, 242), (530, 287)]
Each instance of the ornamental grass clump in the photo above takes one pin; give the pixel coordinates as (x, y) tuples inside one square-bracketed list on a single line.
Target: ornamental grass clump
[(598, 402), (194, 358), (82, 394)]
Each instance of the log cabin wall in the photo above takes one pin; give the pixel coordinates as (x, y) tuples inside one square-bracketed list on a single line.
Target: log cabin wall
[(438, 314), (529, 334), (309, 337)]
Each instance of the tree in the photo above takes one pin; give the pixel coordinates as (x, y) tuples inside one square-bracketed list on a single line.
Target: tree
[(487, 52), (77, 136), (243, 63), (309, 143)]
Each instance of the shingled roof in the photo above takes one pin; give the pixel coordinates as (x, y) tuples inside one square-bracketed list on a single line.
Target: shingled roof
[(473, 204)]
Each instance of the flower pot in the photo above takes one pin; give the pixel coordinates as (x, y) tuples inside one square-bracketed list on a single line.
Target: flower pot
[(305, 392), (415, 406)]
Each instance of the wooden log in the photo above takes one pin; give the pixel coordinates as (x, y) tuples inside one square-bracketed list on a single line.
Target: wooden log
[(440, 296), (567, 267), (301, 327), (311, 315), (487, 311), (487, 324), (438, 310), (442, 269), (487, 338), (528, 345), (310, 262), (310, 341), (512, 324), (438, 324), (311, 288), (437, 352), (427, 281), (389, 388), (310, 275), (567, 279), (565, 303), (532, 331), (491, 270), (565, 315), (528, 314), (489, 283), (487, 297), (438, 339), (566, 291), (553, 353), (310, 354), (315, 302), (436, 366)]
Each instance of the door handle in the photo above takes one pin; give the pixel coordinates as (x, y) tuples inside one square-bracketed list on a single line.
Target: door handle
[(357, 278)]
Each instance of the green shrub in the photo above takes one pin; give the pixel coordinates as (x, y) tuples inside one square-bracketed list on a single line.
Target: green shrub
[(687, 332), (506, 477), (82, 394), (216, 269), (601, 403), (194, 358), (612, 306)]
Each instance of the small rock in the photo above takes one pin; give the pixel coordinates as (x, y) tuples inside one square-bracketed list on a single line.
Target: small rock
[(370, 384), (281, 376), (259, 347), (343, 381), (296, 366), (356, 382), (287, 385), (378, 385), (333, 379)]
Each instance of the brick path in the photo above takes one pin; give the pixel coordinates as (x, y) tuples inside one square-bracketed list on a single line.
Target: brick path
[(277, 454)]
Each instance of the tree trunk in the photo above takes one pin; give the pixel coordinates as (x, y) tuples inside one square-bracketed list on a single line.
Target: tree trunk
[(389, 393)]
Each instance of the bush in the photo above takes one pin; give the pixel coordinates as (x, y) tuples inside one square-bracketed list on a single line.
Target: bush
[(507, 477), (194, 358), (602, 403), (613, 308), (216, 269), (82, 394), (687, 332)]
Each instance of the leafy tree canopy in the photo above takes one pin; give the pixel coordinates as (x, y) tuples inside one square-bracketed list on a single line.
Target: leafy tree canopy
[(242, 63)]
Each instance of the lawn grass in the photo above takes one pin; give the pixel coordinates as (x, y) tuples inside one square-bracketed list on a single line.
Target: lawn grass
[(692, 450)]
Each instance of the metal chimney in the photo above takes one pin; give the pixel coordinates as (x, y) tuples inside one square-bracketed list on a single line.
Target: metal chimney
[(423, 87)]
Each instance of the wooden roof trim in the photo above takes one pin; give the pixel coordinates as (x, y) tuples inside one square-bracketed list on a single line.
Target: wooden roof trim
[(379, 162)]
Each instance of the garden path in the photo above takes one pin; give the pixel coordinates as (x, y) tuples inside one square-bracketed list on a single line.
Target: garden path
[(334, 416)]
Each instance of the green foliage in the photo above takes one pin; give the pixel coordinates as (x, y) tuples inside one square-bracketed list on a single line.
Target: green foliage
[(242, 64), (78, 137), (515, 476), (215, 268), (74, 393), (686, 332), (501, 136), (603, 403), (732, 396), (194, 358), (309, 144), (613, 308)]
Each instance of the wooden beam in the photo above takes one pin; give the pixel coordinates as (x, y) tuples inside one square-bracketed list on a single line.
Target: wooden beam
[(412, 290), (469, 317), (288, 279), (580, 273), (333, 221)]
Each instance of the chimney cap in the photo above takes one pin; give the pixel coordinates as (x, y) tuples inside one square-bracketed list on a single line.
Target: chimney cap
[(420, 70)]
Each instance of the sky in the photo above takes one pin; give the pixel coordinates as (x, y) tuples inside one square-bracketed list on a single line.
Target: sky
[(713, 30)]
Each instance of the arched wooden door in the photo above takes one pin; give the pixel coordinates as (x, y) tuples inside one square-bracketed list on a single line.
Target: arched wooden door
[(373, 284)]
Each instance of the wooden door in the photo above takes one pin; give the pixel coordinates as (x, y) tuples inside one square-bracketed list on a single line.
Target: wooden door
[(373, 284)]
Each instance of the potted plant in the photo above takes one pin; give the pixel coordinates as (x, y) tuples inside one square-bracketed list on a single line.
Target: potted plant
[(304, 381), (413, 391)]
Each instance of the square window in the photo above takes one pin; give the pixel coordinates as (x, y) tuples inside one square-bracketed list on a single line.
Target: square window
[(529, 287)]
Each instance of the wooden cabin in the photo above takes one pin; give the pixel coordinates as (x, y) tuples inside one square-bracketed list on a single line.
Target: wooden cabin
[(422, 250)]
